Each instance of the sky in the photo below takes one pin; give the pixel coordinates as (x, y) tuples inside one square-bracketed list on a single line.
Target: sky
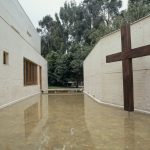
[(37, 9)]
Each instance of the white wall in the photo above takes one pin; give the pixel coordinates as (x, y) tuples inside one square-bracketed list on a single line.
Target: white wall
[(15, 16), (11, 76), (104, 81)]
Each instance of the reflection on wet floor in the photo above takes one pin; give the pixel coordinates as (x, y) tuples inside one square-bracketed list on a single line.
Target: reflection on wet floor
[(29, 114), (71, 122)]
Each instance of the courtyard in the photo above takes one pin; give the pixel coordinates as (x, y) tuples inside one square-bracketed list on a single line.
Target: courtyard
[(71, 122), (77, 78)]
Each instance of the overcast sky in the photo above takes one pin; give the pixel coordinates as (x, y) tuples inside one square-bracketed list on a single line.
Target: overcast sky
[(37, 9)]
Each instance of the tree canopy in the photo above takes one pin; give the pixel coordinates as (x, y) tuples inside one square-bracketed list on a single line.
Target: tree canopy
[(69, 37)]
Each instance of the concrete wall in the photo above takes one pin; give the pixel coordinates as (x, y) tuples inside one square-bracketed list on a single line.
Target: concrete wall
[(104, 81), (15, 16), (18, 45)]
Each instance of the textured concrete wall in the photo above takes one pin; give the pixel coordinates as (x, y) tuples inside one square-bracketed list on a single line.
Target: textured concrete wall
[(15, 16), (11, 76), (104, 81)]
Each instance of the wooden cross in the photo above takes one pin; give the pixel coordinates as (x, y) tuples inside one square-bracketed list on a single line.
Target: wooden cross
[(126, 57)]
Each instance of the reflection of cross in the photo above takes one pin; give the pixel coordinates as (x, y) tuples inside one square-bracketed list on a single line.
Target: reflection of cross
[(126, 57)]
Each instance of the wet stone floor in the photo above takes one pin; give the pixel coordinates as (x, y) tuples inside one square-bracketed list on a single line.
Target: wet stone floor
[(71, 122)]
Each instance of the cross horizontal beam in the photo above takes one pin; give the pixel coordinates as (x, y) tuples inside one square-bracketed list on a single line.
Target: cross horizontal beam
[(134, 53)]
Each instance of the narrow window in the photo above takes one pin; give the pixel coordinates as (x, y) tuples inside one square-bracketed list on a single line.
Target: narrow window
[(30, 73), (5, 58)]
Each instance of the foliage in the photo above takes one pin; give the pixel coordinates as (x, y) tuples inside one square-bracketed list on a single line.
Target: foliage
[(138, 9), (69, 37)]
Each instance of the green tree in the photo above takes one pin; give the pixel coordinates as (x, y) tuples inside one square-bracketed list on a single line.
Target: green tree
[(52, 58), (138, 9), (69, 37)]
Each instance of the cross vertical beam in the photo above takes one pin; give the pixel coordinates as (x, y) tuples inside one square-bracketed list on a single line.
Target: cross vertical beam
[(126, 57), (127, 69)]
